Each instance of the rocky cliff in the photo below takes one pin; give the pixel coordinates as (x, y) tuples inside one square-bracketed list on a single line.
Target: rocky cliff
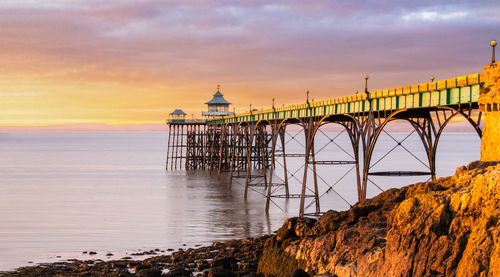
[(447, 227)]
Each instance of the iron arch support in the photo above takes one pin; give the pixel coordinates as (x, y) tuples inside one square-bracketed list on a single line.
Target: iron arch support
[(455, 112), (371, 140), (354, 137)]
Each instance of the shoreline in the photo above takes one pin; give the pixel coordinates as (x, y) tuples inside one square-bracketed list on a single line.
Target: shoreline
[(239, 256)]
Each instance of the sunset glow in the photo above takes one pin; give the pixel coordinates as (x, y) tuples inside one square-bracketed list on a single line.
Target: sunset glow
[(133, 62)]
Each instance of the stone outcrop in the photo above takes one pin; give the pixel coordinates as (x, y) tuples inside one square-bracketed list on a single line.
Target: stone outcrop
[(447, 227)]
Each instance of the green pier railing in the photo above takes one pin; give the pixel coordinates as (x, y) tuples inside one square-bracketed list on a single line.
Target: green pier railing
[(454, 91)]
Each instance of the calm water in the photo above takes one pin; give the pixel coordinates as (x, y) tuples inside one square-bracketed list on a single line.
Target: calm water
[(64, 193)]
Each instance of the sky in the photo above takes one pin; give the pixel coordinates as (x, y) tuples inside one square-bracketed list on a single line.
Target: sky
[(132, 62)]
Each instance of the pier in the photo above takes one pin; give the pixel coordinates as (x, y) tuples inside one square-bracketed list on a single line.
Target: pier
[(249, 146)]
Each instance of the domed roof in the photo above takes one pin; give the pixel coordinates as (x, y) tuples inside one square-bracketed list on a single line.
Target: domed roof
[(178, 112), (218, 99)]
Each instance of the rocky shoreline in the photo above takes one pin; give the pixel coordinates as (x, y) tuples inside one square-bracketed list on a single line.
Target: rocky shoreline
[(447, 227), (230, 258)]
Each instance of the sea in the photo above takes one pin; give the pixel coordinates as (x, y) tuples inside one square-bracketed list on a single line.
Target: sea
[(64, 194)]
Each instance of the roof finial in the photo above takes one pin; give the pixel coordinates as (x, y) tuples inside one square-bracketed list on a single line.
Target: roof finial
[(273, 103), (307, 94), (432, 78), (218, 88)]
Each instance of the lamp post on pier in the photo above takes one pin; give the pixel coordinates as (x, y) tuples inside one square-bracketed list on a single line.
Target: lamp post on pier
[(493, 43), (367, 93), (307, 99)]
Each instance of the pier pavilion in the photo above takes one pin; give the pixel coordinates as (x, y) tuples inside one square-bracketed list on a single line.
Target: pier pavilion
[(217, 106)]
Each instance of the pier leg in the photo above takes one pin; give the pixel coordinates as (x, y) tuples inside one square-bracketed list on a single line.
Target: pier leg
[(315, 177), (263, 155), (188, 138), (369, 129), (249, 158), (244, 149), (179, 147), (175, 144), (307, 131), (221, 148), (168, 145), (235, 149), (183, 147), (204, 138), (281, 133), (198, 147), (274, 139), (354, 135), (212, 147), (188, 163)]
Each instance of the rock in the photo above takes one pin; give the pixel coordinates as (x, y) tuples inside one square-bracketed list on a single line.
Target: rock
[(225, 263), (300, 273), (445, 227), (220, 272), (287, 230), (178, 272), (303, 226), (150, 273), (201, 265)]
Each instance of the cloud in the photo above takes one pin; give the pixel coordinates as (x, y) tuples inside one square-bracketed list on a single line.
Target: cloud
[(433, 16)]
